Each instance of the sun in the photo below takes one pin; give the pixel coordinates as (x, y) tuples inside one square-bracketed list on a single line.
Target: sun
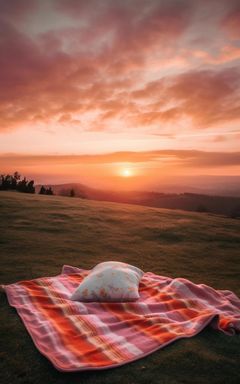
[(126, 172)]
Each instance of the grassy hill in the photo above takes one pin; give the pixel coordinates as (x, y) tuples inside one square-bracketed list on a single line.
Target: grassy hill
[(38, 234), (222, 205)]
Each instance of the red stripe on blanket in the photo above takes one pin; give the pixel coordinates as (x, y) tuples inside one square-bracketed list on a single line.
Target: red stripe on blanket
[(70, 335)]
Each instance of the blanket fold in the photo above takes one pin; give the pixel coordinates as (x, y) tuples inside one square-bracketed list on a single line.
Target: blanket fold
[(77, 336)]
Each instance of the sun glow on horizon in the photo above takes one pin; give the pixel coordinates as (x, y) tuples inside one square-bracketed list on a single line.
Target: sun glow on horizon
[(126, 172)]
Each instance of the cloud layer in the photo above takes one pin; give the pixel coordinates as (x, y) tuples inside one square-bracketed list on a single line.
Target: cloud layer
[(108, 65), (186, 158)]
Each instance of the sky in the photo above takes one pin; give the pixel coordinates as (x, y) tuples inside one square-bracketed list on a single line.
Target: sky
[(119, 93)]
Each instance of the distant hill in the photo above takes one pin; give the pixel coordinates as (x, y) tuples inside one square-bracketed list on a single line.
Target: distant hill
[(224, 205), (203, 185)]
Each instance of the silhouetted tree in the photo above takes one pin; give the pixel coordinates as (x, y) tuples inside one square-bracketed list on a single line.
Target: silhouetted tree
[(9, 181), (46, 191), (1, 182), (22, 185), (72, 193), (6, 182), (30, 187), (49, 191), (14, 182), (15, 179), (42, 190)]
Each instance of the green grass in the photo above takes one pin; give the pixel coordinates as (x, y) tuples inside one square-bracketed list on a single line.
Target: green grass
[(38, 234)]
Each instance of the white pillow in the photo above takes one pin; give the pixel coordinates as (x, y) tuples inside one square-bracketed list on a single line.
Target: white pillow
[(110, 281)]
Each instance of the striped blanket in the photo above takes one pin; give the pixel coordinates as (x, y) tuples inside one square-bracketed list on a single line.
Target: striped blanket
[(77, 336)]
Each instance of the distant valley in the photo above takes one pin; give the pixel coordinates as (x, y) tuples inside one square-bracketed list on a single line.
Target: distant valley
[(189, 201)]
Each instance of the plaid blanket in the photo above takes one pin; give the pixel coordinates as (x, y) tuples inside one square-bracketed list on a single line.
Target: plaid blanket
[(77, 336)]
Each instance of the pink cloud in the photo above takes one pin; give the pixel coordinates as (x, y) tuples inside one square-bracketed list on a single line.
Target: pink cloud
[(124, 32), (101, 64), (207, 97)]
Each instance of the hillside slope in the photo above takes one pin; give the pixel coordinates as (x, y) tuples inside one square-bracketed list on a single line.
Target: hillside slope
[(224, 205), (38, 234)]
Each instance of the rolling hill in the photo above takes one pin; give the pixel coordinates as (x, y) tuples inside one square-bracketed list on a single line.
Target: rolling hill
[(38, 234), (223, 205)]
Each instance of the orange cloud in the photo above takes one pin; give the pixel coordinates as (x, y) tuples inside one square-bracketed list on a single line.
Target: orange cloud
[(226, 54), (67, 71), (148, 168), (117, 64), (207, 97), (181, 157)]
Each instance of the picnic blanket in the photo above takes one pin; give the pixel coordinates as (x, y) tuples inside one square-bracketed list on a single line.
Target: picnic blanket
[(77, 336)]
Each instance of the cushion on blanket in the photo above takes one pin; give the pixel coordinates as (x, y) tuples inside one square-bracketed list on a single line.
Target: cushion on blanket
[(110, 281)]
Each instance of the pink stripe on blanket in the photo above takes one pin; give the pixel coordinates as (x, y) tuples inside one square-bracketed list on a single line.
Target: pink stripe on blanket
[(78, 336)]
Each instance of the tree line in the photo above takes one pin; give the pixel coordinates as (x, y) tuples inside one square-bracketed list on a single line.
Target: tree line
[(15, 183), (45, 191)]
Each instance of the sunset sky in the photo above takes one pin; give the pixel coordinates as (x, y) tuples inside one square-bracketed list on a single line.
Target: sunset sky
[(119, 92)]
